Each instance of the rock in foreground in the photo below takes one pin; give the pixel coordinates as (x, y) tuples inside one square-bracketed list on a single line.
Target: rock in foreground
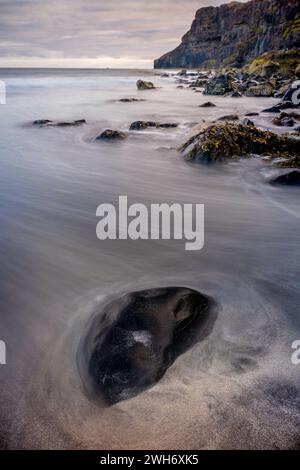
[(222, 142), (131, 344)]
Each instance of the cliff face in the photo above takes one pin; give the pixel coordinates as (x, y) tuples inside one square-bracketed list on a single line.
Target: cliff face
[(235, 33)]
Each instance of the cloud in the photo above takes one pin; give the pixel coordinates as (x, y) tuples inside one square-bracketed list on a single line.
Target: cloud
[(80, 30)]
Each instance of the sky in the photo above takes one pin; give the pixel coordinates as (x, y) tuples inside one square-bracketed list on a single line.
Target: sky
[(92, 33)]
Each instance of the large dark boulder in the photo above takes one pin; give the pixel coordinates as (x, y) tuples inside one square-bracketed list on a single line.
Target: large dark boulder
[(130, 344)]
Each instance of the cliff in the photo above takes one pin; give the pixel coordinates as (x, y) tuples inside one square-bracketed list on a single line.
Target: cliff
[(235, 33)]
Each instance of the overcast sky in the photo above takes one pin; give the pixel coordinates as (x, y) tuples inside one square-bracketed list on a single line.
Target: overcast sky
[(100, 33)]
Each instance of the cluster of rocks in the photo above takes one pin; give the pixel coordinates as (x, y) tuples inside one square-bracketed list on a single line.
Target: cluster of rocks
[(110, 134)]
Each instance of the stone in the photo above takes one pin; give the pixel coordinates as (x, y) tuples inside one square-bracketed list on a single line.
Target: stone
[(219, 85), (143, 85), (129, 345), (138, 125), (208, 104), (229, 117), (289, 179), (110, 134)]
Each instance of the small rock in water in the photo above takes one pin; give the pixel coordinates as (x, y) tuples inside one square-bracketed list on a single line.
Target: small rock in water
[(208, 104), (251, 114), (247, 122), (229, 117), (138, 125), (143, 85), (110, 134), (130, 344), (284, 120), (290, 179), (129, 100), (47, 122)]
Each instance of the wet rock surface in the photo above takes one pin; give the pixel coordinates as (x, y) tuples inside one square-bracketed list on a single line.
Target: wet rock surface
[(139, 125), (49, 123), (129, 346), (288, 179), (110, 134), (143, 85)]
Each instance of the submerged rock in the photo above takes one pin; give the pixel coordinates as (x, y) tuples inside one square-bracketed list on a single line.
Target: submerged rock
[(290, 179), (110, 134), (208, 104), (229, 117), (251, 114), (138, 125), (130, 100), (47, 122), (135, 339), (143, 85), (226, 141)]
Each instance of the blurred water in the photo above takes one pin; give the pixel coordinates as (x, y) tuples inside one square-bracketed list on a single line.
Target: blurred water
[(238, 388)]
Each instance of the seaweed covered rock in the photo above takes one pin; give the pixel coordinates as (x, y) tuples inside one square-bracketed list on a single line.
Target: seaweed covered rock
[(143, 85), (226, 141)]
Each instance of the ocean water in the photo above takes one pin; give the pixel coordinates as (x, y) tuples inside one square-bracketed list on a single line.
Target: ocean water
[(237, 388)]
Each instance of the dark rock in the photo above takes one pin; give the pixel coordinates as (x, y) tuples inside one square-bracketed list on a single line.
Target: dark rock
[(219, 85), (273, 109), (247, 122), (41, 122), (221, 142), (110, 134), (236, 94), (138, 125), (289, 179), (143, 85), (208, 104), (251, 114), (229, 117), (47, 122), (236, 33), (284, 120), (129, 345), (129, 100)]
